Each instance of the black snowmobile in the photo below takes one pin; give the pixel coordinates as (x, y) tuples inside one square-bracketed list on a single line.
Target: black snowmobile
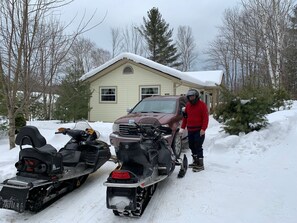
[(142, 165), (44, 174)]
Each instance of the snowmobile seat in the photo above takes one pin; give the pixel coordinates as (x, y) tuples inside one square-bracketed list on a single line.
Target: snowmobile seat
[(30, 135), (40, 152), (132, 152), (128, 150)]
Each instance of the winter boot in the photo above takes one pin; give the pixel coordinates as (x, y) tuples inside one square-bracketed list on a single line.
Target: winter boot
[(199, 166), (195, 161)]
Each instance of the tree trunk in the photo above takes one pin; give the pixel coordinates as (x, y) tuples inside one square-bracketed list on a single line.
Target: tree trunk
[(11, 131)]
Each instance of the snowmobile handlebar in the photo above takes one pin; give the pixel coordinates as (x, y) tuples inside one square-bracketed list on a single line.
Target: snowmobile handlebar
[(79, 135)]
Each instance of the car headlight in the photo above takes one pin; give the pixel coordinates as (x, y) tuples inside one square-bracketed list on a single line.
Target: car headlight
[(115, 127)]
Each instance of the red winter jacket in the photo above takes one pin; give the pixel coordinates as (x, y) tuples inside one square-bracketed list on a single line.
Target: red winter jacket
[(197, 116)]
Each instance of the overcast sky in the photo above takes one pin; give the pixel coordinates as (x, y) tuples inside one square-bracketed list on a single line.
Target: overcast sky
[(203, 16)]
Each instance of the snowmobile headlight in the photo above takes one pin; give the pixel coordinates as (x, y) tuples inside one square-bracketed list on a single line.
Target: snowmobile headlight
[(115, 127)]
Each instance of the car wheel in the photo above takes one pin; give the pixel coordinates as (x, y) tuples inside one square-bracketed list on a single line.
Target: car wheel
[(177, 145)]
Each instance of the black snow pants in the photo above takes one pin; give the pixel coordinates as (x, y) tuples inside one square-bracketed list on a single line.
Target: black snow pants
[(196, 142)]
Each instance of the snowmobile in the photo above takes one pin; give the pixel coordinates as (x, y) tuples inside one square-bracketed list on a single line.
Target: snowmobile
[(45, 174), (141, 166)]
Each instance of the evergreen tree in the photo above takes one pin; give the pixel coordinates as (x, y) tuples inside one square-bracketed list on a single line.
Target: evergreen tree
[(74, 96), (246, 111), (159, 39), (20, 122), (247, 116)]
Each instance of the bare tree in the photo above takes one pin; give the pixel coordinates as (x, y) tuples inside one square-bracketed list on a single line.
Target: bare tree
[(116, 41), (86, 52), (225, 50), (14, 32), (272, 16), (253, 40), (133, 40), (99, 57), (186, 47), (221, 57), (52, 52), (31, 51), (290, 60), (128, 39)]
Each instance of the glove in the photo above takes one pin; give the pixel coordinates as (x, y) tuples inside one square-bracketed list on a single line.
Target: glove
[(181, 131), (90, 131), (63, 130), (184, 112), (202, 132)]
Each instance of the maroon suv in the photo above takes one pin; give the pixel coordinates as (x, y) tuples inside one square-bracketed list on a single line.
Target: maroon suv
[(167, 109)]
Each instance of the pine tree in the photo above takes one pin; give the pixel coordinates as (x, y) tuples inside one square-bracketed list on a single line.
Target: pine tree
[(245, 112), (74, 96), (159, 39), (248, 116)]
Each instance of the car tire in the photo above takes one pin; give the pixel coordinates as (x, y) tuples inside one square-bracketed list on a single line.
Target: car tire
[(177, 145)]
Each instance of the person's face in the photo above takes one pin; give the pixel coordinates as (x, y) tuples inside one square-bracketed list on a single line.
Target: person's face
[(192, 97)]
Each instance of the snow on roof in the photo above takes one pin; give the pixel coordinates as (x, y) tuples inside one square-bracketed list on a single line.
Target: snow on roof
[(209, 77), (203, 78)]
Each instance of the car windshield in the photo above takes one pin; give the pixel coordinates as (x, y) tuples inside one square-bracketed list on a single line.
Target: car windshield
[(155, 106)]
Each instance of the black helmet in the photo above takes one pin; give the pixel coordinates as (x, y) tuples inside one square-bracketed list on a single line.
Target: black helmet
[(193, 92)]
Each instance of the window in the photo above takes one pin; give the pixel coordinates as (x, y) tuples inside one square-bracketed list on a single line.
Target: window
[(149, 91), (155, 106), (107, 94), (128, 70)]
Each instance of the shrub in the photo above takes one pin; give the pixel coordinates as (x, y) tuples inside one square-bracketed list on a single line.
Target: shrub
[(246, 116), (20, 121), (247, 111)]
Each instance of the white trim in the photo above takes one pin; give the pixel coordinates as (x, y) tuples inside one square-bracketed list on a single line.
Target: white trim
[(100, 94)]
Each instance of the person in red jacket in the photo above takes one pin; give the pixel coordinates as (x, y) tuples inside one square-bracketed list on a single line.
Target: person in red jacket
[(196, 121)]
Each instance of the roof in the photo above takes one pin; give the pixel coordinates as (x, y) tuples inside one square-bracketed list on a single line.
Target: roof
[(203, 78)]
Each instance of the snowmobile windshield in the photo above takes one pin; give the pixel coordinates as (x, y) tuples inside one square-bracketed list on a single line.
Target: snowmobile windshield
[(83, 125), (155, 106)]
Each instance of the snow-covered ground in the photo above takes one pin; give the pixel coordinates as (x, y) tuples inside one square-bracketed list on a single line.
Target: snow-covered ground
[(248, 178)]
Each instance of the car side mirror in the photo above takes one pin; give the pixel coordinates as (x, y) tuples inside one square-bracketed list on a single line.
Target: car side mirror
[(129, 110)]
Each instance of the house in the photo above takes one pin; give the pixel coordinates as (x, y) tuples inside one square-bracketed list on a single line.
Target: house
[(126, 79)]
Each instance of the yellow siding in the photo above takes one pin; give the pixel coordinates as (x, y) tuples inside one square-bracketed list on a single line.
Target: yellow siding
[(128, 91), (182, 90)]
